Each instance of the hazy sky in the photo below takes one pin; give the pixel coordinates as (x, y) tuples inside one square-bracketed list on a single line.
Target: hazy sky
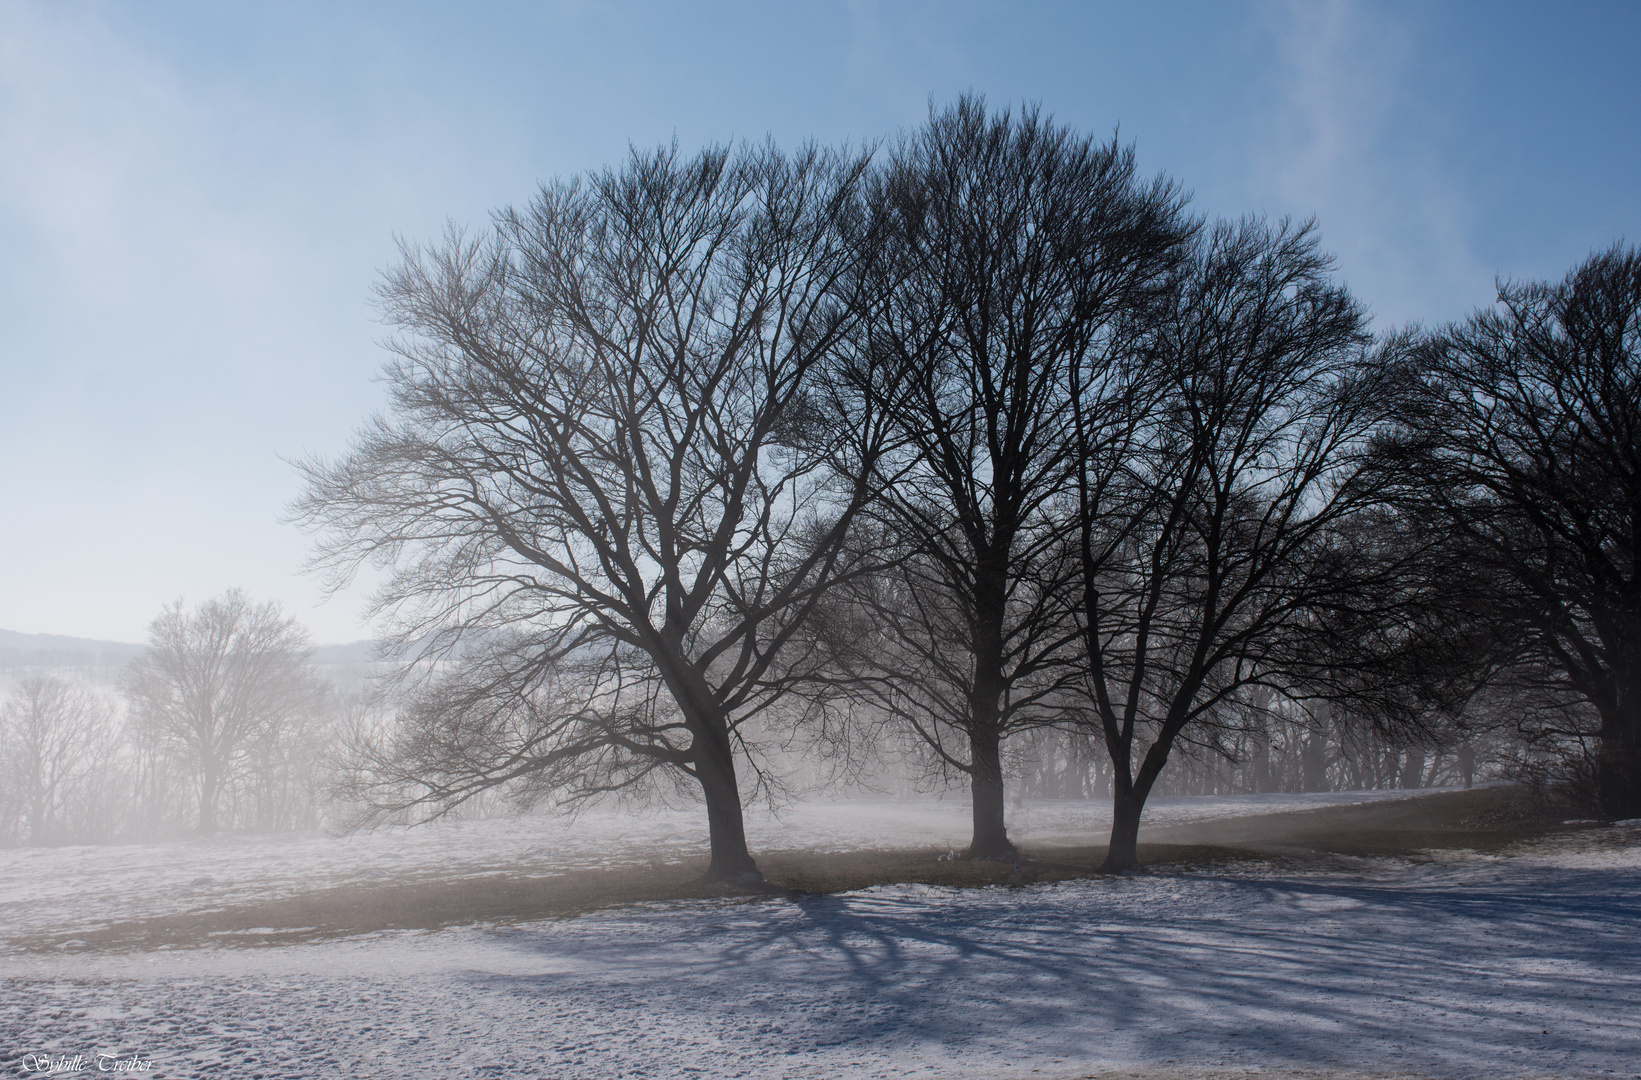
[(196, 198)]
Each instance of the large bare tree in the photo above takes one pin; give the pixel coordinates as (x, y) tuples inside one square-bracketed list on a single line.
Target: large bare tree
[(1226, 467), (1018, 246), (216, 680), (1525, 426), (603, 488)]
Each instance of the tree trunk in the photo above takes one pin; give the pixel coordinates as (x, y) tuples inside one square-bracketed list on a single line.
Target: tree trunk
[(1129, 802), (712, 757), (210, 787), (726, 829), (1618, 777), (991, 839), (1077, 785), (1314, 761), (1412, 770), (1123, 853), (1467, 763), (1434, 772), (37, 821), (1262, 781), (1618, 760)]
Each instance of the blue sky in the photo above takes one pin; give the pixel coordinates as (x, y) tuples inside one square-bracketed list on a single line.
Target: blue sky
[(196, 198)]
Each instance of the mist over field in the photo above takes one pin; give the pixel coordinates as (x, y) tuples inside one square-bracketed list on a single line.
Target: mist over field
[(846, 540)]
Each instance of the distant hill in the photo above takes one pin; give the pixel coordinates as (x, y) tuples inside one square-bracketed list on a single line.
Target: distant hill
[(19, 651), (354, 652), (57, 651)]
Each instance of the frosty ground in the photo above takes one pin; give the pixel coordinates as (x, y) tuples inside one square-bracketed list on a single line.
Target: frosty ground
[(1521, 960)]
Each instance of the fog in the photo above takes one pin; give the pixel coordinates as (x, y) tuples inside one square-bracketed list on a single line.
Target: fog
[(114, 786), (850, 540)]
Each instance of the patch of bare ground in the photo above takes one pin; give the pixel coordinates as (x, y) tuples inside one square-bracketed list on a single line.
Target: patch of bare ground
[(1486, 819), (427, 904)]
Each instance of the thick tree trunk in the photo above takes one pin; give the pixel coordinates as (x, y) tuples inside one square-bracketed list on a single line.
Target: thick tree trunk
[(37, 822), (1128, 804), (1618, 765), (726, 828), (1467, 763), (1129, 801), (712, 757), (1618, 777), (990, 840), (1262, 781), (1123, 852)]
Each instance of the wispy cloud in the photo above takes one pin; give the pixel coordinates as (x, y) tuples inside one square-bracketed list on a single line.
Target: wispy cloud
[(1351, 144)]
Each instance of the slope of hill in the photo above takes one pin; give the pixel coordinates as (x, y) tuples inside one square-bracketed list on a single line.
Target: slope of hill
[(58, 651), (22, 651)]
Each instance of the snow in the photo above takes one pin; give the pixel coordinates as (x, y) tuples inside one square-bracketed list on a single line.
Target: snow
[(1453, 964), (77, 888)]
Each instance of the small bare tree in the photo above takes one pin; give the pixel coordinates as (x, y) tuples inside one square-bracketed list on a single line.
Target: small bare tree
[(54, 736), (217, 679)]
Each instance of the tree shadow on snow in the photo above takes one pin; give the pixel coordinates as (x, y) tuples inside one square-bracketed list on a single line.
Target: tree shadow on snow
[(1540, 971)]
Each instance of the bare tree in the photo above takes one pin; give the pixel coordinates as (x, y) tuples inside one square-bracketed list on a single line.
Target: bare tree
[(1019, 244), (1525, 424), (1215, 529), (54, 737), (216, 680), (603, 457)]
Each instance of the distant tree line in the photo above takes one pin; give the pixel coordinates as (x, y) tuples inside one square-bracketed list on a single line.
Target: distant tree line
[(220, 724), (81, 767), (986, 443)]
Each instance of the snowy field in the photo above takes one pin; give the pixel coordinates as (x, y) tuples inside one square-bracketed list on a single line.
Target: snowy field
[(72, 888), (1525, 963)]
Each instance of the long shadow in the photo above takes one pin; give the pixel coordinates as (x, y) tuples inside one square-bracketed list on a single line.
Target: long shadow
[(1304, 970)]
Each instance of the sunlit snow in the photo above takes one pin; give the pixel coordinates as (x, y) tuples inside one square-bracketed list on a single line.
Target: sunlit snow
[(1521, 963)]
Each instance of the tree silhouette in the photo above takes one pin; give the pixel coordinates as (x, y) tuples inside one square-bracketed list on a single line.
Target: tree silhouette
[(1524, 424), (1018, 245), (601, 464)]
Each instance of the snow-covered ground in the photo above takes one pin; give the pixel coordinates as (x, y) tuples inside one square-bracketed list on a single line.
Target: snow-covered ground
[(1526, 963), (74, 888)]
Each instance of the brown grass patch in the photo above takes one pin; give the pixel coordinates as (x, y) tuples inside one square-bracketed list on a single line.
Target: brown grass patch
[(1486, 819)]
